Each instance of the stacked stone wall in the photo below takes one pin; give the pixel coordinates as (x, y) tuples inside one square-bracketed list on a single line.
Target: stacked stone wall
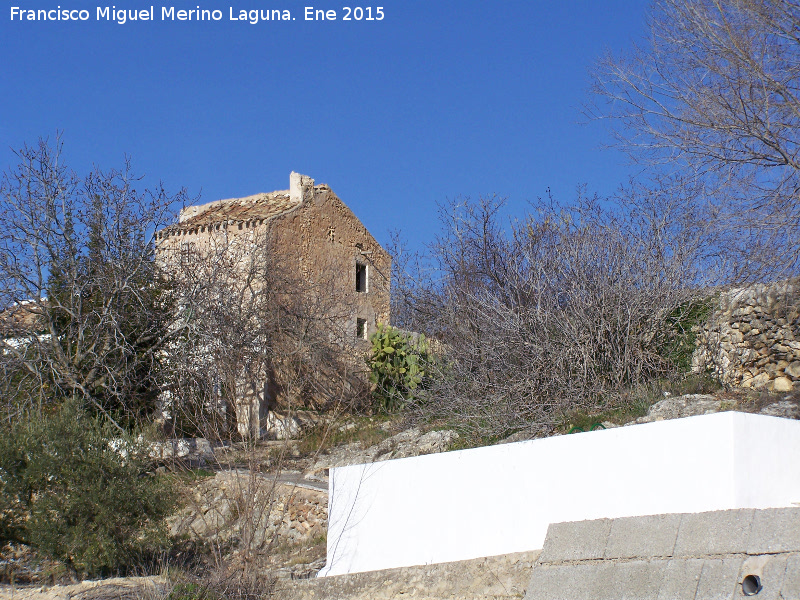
[(752, 337)]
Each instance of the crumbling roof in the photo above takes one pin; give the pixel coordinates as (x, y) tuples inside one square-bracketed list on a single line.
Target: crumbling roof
[(22, 317), (258, 206)]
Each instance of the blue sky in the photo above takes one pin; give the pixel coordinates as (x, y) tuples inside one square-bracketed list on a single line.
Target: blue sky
[(438, 100)]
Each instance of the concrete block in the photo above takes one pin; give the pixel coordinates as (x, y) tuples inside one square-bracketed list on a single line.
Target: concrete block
[(681, 577), (718, 580), (790, 590), (637, 579), (775, 530), (583, 540), (597, 581), (770, 569), (562, 582), (653, 535), (720, 532)]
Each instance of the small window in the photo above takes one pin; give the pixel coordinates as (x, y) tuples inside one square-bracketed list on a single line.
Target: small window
[(188, 253), (361, 328), (361, 278)]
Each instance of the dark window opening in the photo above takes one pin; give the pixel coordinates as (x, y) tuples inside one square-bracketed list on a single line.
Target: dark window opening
[(361, 328), (361, 277), (188, 253)]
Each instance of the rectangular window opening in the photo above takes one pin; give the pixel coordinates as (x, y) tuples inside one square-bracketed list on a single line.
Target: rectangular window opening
[(361, 278), (361, 328), (188, 253)]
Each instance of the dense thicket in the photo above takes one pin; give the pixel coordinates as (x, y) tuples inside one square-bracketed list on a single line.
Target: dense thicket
[(566, 308)]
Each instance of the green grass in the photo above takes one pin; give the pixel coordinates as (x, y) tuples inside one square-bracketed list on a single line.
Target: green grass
[(199, 473), (635, 403), (187, 477), (192, 591), (695, 383)]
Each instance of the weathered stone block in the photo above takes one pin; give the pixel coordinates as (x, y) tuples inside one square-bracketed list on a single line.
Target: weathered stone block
[(582, 540), (793, 370), (760, 380), (636, 579), (790, 589), (563, 582), (720, 532), (653, 535), (771, 571), (782, 384)]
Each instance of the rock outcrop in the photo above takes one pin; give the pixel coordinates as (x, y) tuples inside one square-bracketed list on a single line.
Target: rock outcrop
[(690, 405), (411, 442), (220, 505)]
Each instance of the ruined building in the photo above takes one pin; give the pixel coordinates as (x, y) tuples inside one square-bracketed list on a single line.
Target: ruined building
[(320, 245)]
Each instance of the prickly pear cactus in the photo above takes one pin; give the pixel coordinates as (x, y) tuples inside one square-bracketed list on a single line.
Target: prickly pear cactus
[(398, 363)]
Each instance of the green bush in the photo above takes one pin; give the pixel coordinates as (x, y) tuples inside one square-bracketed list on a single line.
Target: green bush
[(685, 321), (398, 365), (77, 491)]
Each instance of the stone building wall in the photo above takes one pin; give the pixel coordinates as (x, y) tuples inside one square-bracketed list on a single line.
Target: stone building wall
[(328, 262), (752, 337), (328, 242)]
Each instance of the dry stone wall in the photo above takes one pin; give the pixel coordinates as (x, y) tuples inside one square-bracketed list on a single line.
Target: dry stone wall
[(752, 337), (284, 523)]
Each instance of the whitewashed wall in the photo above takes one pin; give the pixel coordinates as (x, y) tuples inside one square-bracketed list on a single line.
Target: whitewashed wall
[(500, 499)]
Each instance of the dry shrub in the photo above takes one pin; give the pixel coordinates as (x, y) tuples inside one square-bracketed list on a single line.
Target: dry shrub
[(565, 309)]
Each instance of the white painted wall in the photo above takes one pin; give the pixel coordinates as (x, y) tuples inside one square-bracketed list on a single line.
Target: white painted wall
[(500, 499)]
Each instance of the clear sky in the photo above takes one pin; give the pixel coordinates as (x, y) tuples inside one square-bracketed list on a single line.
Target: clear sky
[(439, 99)]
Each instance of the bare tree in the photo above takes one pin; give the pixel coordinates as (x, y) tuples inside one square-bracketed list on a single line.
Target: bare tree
[(86, 312), (713, 94)]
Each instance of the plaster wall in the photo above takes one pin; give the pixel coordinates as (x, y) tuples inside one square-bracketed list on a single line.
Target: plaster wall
[(501, 499)]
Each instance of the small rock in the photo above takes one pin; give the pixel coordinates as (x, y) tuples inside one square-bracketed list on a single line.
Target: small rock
[(759, 381), (681, 406), (782, 384), (411, 442), (793, 370)]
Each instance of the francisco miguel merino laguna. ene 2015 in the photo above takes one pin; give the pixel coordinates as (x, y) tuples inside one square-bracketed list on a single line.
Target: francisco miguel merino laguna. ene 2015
[(167, 13)]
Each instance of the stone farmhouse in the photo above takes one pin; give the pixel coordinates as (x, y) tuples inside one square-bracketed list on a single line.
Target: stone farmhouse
[(315, 235)]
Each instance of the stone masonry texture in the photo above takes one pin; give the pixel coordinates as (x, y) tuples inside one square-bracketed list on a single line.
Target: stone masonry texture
[(752, 337), (711, 554), (323, 257), (494, 578)]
